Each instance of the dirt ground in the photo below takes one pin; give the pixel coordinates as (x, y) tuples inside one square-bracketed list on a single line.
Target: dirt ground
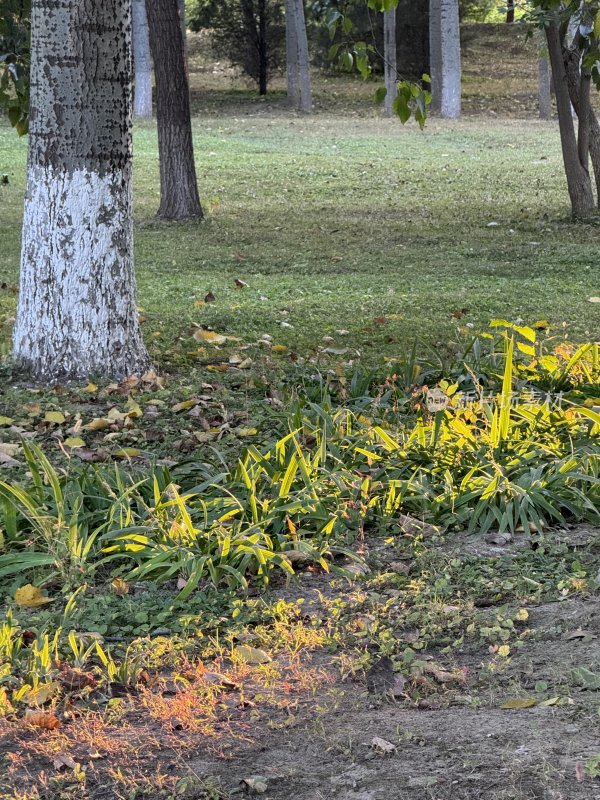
[(337, 735)]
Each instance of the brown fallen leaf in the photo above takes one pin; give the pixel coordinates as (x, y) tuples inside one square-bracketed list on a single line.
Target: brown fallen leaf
[(382, 745), (240, 284), (209, 298), (579, 771), (64, 761), (46, 720)]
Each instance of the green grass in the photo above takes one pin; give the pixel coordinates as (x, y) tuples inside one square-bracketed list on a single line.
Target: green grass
[(337, 222)]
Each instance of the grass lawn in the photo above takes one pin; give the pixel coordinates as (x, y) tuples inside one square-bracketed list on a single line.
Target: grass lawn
[(429, 663)]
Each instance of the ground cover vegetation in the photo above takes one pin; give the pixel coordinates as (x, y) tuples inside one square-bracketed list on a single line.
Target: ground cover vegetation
[(315, 517)]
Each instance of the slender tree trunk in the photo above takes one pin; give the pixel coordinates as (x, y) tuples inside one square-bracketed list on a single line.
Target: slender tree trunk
[(291, 55), (303, 58), (77, 308), (263, 60), (510, 11), (544, 93), (298, 62), (578, 178), (445, 57), (390, 60), (572, 61), (142, 106), (179, 198)]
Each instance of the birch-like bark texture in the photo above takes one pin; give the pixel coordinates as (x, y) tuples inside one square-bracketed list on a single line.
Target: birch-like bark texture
[(298, 61), (142, 105), (179, 198), (390, 60), (444, 32), (77, 308)]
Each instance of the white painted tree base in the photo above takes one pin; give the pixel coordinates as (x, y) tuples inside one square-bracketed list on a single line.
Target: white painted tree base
[(77, 309)]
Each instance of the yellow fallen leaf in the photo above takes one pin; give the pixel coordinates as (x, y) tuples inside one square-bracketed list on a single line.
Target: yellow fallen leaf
[(247, 432), (252, 655), (5, 421), (504, 650), (519, 702), (210, 337), (127, 452), (218, 367), (55, 417), (133, 409), (279, 348), (522, 614), (91, 387), (98, 424), (30, 596), (120, 587), (74, 442), (185, 405), (115, 415), (1, 539)]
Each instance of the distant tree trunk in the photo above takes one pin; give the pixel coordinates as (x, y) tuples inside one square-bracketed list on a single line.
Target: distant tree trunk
[(298, 62), (510, 11), (578, 178), (291, 56), (390, 60), (263, 59), (179, 197), (544, 93), (183, 21), (445, 58), (77, 308), (572, 61), (142, 106)]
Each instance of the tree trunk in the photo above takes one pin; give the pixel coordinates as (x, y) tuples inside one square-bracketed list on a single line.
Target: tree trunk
[(142, 105), (544, 93), (179, 198), (572, 60), (390, 60), (263, 60), (298, 62), (578, 178), (445, 58), (291, 56), (183, 22), (303, 58), (510, 11), (77, 308)]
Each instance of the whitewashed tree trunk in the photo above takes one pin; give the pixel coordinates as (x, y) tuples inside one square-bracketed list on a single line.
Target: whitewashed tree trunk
[(77, 308), (142, 105), (390, 60), (298, 61), (444, 38)]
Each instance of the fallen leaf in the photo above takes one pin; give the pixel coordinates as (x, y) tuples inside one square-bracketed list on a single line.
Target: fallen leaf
[(586, 678), (98, 424), (256, 784), (30, 596), (579, 771), (579, 634), (127, 452), (5, 421), (594, 299), (54, 417), (62, 760), (41, 719), (240, 284), (279, 348), (520, 702), (252, 655), (120, 587), (382, 745), (209, 337), (74, 442), (185, 405), (247, 432)]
